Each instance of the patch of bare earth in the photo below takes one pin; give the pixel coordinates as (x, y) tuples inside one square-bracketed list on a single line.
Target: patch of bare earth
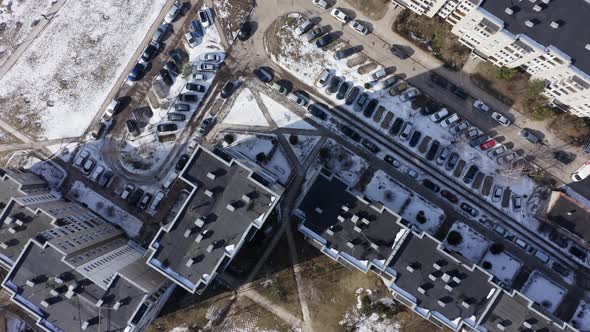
[(232, 14), (373, 9)]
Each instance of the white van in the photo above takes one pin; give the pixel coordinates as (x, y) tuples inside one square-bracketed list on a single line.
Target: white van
[(582, 172)]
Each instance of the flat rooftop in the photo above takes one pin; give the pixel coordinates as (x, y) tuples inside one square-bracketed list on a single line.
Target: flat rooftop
[(349, 223), (572, 35), (511, 313), (224, 205), (439, 282), (43, 265), (8, 189)]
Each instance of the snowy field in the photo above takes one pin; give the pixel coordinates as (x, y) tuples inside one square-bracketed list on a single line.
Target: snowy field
[(69, 70), (250, 146), (543, 291), (473, 246), (581, 319), (504, 266), (282, 116), (304, 146), (305, 61), (106, 209), (245, 111)]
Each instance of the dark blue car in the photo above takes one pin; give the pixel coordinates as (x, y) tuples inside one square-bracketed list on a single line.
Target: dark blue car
[(137, 72), (197, 28)]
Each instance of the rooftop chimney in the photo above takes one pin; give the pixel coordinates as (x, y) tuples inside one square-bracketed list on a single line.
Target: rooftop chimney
[(340, 218), (230, 207), (345, 208), (537, 8), (210, 248), (554, 24), (329, 231), (374, 246), (208, 193), (509, 11), (200, 222), (357, 229), (350, 244), (545, 1), (18, 222), (529, 23), (211, 176), (190, 262), (318, 210), (588, 47)]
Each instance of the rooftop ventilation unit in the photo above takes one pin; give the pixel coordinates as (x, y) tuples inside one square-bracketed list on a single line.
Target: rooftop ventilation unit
[(537, 8), (199, 222), (318, 210), (354, 218), (190, 262), (554, 24), (509, 11), (340, 218), (246, 198), (230, 207), (345, 208), (529, 323), (350, 244), (357, 229), (374, 246), (533, 1), (446, 277), (329, 231), (588, 46), (529, 23), (208, 193), (211, 176), (465, 304), (503, 325), (210, 248), (545, 1)]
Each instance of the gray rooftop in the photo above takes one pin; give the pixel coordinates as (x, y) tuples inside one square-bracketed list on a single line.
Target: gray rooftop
[(8, 189), (435, 278), (43, 265), (337, 215), (571, 37), (226, 202), (511, 313)]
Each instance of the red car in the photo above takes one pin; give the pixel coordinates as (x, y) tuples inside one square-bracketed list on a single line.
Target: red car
[(486, 145), (449, 196)]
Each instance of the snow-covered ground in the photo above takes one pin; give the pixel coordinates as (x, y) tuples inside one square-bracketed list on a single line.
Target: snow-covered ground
[(282, 116), (106, 209), (276, 162), (232, 14), (581, 319), (69, 70), (304, 146), (51, 172), (504, 266), (305, 61), (543, 291), (473, 246), (347, 165), (245, 111)]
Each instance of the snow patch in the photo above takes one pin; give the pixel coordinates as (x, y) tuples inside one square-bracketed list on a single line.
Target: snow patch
[(504, 266), (543, 291), (245, 111), (473, 246), (282, 116)]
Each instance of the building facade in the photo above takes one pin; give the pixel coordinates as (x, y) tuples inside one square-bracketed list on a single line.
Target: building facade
[(548, 39)]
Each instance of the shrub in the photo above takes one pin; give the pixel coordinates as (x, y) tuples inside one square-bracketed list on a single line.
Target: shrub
[(420, 217), (454, 238), (228, 138), (293, 139), (486, 265), (505, 73), (261, 157), (368, 86), (535, 88), (496, 248), (366, 304), (542, 113)]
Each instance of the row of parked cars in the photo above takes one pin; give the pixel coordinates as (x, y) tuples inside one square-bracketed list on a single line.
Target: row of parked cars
[(96, 172)]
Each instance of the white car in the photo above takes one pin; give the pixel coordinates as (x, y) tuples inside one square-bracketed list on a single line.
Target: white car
[(81, 157), (449, 121), (298, 99), (497, 150), (303, 27), (204, 17), (441, 114), (212, 57), (111, 109), (321, 3), (156, 201), (410, 95), (97, 173), (459, 128), (340, 15), (411, 172), (191, 39), (497, 193), (324, 78), (481, 106), (358, 27), (173, 13), (471, 133), (501, 119), (199, 77), (168, 182)]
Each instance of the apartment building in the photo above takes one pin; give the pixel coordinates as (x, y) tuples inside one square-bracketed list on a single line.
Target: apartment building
[(549, 39), (436, 283), (228, 203), (68, 268)]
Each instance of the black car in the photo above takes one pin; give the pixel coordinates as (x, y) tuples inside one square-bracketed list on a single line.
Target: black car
[(145, 201), (178, 56), (430, 109), (195, 87), (264, 74), (181, 162), (345, 53), (132, 127), (316, 109), (188, 97), (343, 90), (350, 133), (334, 84), (415, 138), (228, 89), (166, 127), (352, 95), (326, 40), (432, 151), (135, 196), (479, 140), (470, 175), (452, 162), (431, 185), (449, 196), (396, 127), (170, 66), (561, 269), (166, 77), (469, 209), (371, 106), (398, 50), (458, 92), (370, 146), (150, 51), (362, 100), (438, 80), (245, 31), (563, 157)]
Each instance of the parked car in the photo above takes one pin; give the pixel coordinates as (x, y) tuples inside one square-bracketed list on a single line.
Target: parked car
[(410, 95), (105, 179), (191, 39), (433, 149), (370, 146), (303, 27), (398, 88), (399, 51), (321, 3), (345, 53), (132, 127), (389, 82), (264, 74), (182, 107), (176, 117), (127, 191), (171, 67), (516, 203), (463, 125), (334, 84), (431, 185), (137, 72), (135, 196), (315, 33), (182, 162), (497, 150), (158, 197), (359, 27), (442, 156), (370, 107), (206, 66), (212, 57), (178, 55), (298, 98), (487, 145), (97, 173), (318, 110), (501, 119), (452, 162), (281, 89), (204, 17), (411, 172), (543, 257), (188, 97), (145, 200), (561, 269), (166, 77), (497, 193), (169, 179), (340, 15), (478, 104), (99, 130), (326, 40), (113, 108), (379, 74), (459, 93), (245, 31), (469, 209), (449, 196), (197, 28), (324, 78), (479, 140), (439, 80), (415, 138), (167, 128), (363, 98), (150, 51), (205, 126), (394, 162), (396, 127), (173, 13), (88, 165), (343, 90), (81, 158), (354, 92), (406, 131), (429, 109), (228, 89), (161, 33), (438, 116), (470, 174), (471, 133), (529, 136), (195, 87), (506, 158), (449, 120)]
